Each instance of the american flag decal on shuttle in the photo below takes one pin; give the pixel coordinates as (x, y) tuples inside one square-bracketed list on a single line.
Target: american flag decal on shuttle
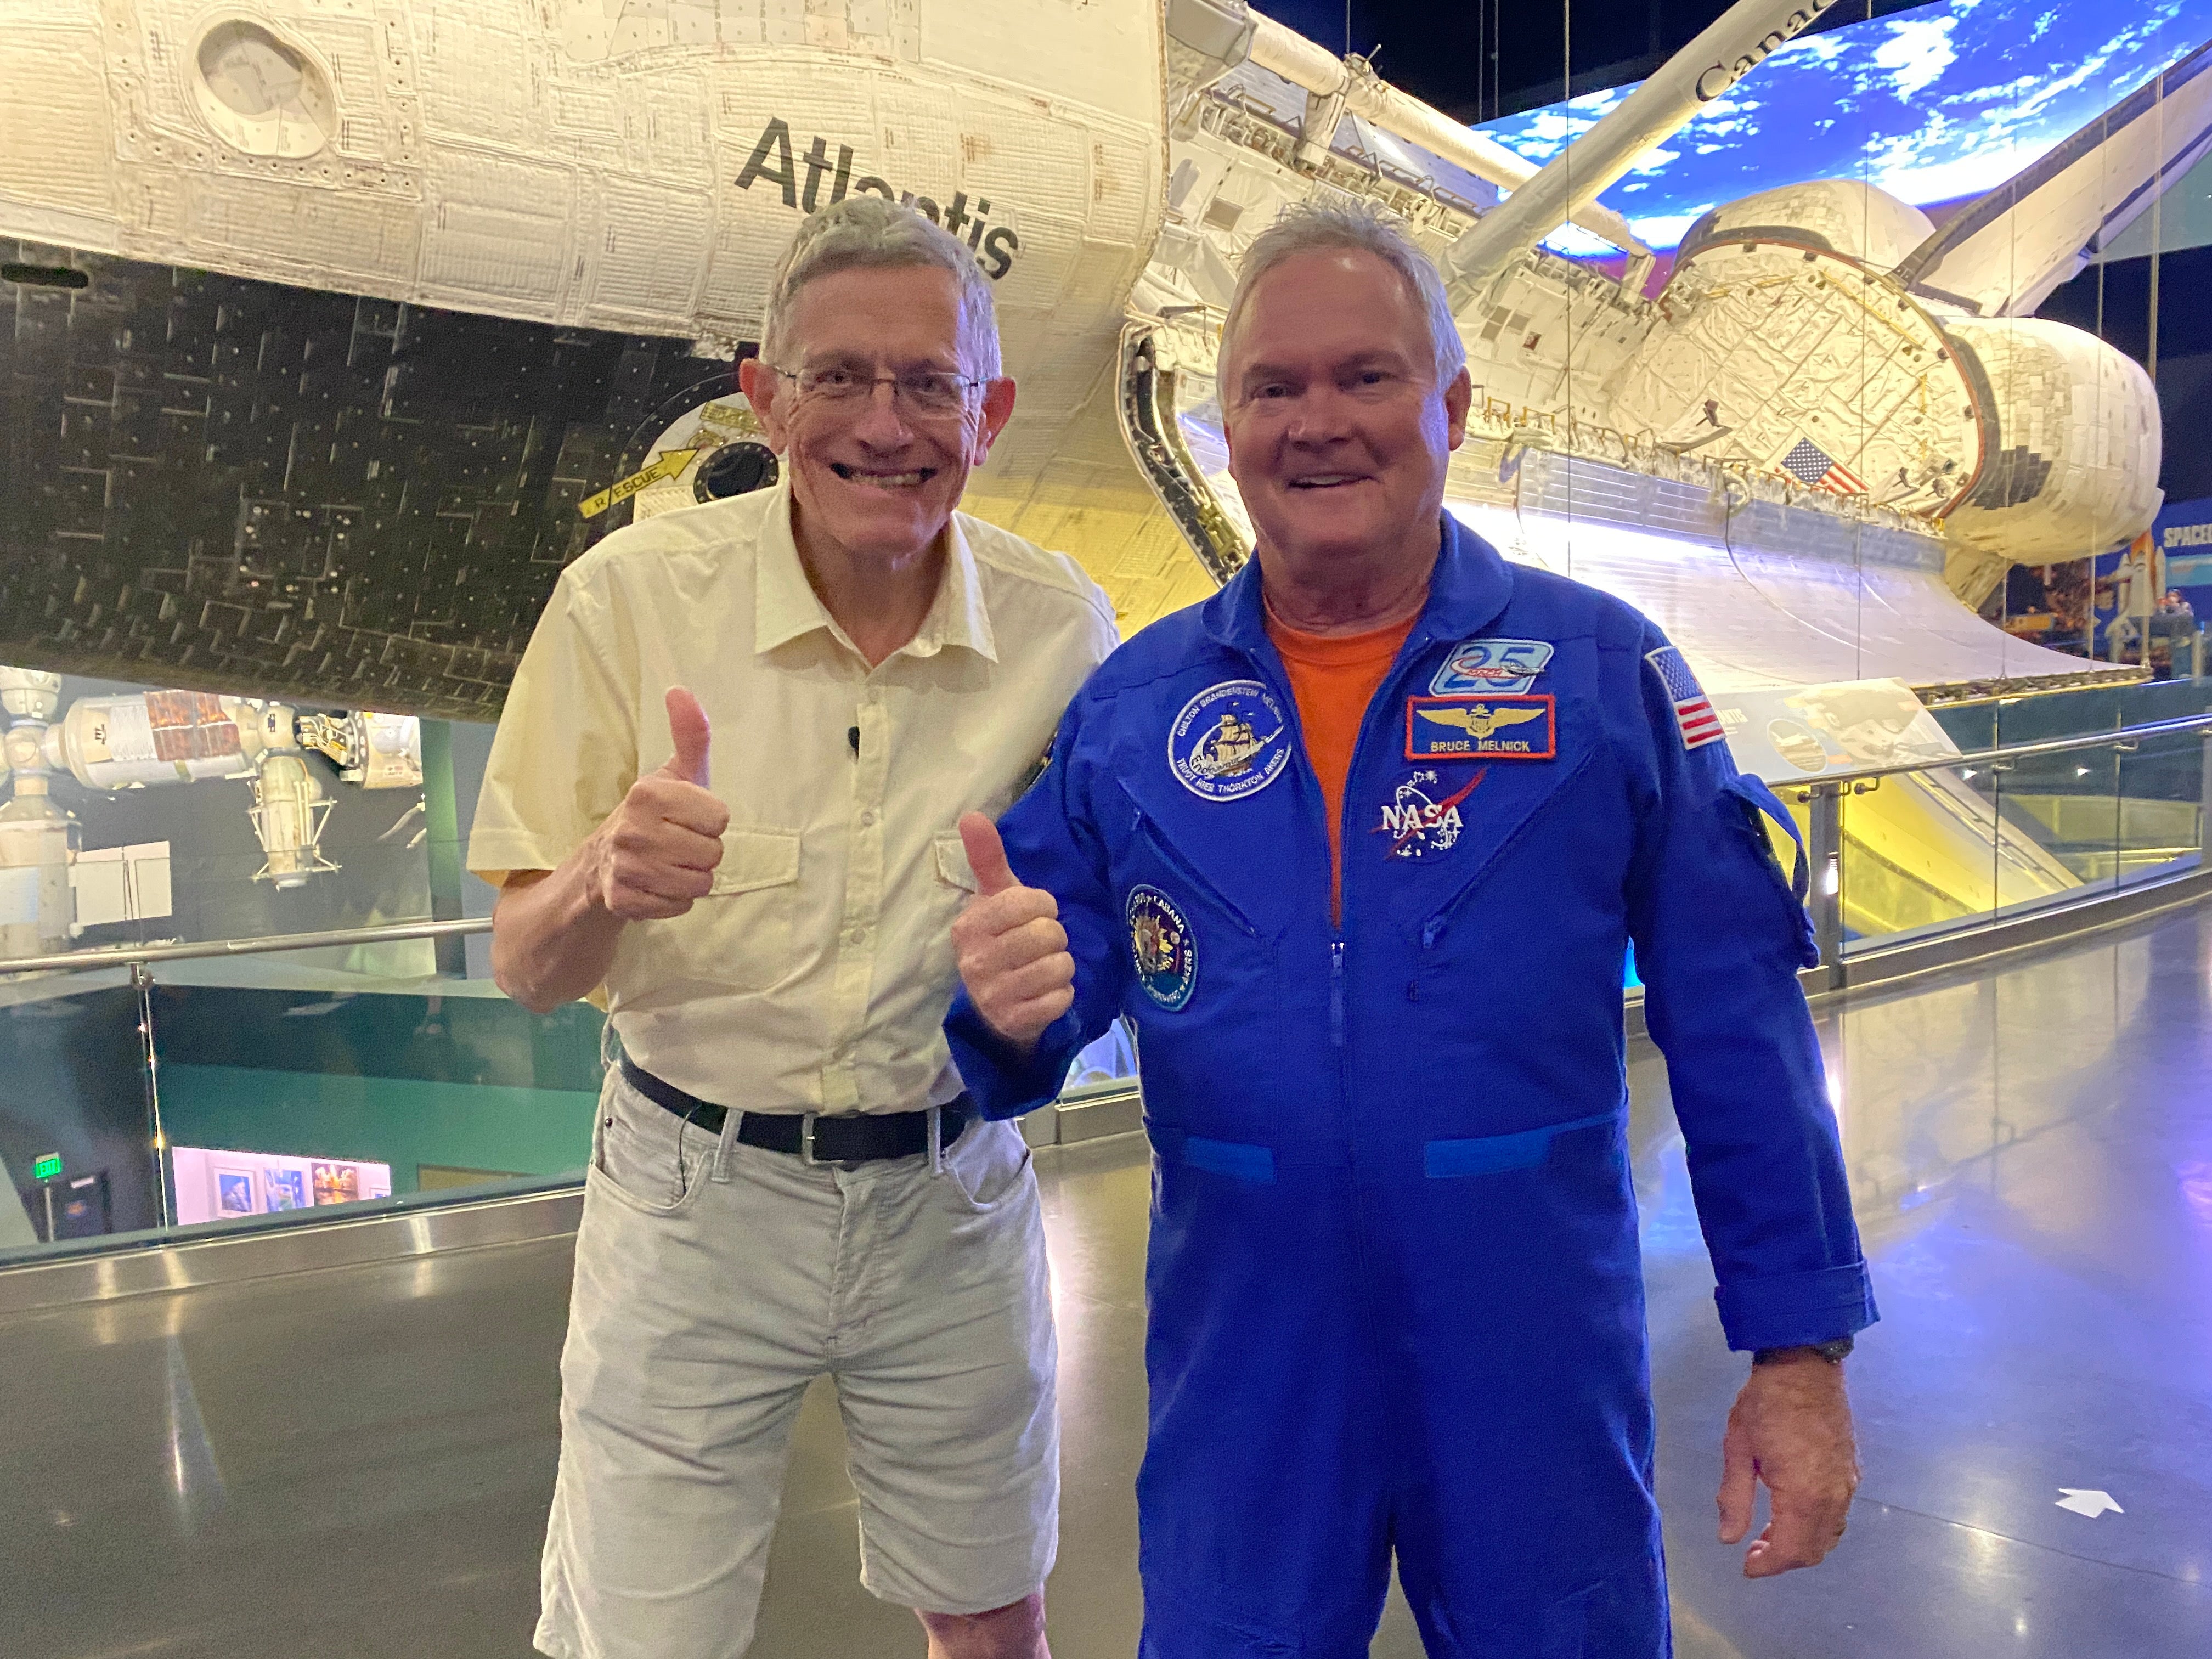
[(1810, 464), (1693, 711)]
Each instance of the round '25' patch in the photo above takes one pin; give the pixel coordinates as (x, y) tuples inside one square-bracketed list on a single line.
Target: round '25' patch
[(1163, 947)]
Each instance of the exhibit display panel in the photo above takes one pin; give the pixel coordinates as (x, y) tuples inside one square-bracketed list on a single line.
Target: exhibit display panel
[(223, 1186), (151, 815)]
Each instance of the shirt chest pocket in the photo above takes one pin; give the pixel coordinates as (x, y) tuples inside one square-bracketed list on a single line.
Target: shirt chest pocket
[(928, 900), (947, 885), (955, 881), (738, 938)]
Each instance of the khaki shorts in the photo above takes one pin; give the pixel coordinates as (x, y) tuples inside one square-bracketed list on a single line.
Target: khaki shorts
[(713, 1283)]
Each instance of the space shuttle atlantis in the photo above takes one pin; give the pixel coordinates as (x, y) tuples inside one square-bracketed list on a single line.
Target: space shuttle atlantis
[(339, 326)]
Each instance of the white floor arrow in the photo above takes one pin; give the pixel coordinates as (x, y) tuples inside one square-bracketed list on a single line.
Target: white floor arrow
[(2091, 1504)]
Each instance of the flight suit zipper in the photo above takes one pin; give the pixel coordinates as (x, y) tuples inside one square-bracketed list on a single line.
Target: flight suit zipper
[(1415, 643), (1385, 694)]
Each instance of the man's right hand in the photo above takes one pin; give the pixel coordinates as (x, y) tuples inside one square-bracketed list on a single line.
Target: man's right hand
[(1013, 952), (657, 852)]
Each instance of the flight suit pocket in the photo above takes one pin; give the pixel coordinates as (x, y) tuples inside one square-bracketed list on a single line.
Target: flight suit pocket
[(739, 936), (1442, 1160), (1180, 868)]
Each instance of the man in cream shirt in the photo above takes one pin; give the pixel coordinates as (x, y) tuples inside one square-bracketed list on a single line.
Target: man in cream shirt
[(724, 793)]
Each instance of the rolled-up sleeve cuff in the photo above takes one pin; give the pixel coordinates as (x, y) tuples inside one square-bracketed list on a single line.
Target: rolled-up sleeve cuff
[(497, 853), (1789, 1310), (1001, 1083)]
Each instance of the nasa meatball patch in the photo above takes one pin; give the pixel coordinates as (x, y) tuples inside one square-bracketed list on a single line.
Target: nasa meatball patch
[(1163, 947), (1230, 741), (1481, 728), (1422, 816)]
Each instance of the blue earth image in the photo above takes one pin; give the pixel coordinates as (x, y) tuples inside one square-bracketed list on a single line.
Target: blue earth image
[(1935, 106)]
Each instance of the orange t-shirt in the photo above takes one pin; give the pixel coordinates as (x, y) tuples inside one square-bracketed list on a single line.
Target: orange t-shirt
[(1334, 678)]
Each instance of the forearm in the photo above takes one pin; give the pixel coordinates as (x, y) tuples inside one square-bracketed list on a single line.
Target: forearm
[(552, 940), (1750, 1092)]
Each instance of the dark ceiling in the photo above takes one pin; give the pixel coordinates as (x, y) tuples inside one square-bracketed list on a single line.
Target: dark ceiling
[(1487, 59)]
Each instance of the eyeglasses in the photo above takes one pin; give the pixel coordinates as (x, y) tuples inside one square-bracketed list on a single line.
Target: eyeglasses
[(920, 391)]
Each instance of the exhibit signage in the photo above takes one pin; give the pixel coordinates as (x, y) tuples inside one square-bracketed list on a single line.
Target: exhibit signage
[(219, 1186), (1785, 734), (2184, 531)]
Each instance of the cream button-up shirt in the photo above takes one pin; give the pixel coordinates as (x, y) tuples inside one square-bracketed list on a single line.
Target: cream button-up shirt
[(814, 977)]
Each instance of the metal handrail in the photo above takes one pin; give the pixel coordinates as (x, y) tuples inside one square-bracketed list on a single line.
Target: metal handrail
[(123, 956), (2014, 752)]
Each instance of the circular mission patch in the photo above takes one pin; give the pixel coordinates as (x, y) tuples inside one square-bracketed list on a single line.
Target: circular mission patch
[(1228, 741), (1163, 947)]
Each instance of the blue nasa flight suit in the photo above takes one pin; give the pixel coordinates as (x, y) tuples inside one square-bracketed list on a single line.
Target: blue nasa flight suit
[(1394, 1280)]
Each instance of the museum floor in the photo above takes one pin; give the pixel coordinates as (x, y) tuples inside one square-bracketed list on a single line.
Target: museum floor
[(356, 1462)]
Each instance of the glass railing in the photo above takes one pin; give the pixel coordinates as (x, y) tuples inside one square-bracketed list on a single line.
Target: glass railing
[(160, 1088), (1912, 851), (172, 1091), (176, 1091)]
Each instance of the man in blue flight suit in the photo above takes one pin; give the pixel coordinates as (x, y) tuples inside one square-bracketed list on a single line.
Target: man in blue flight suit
[(1375, 961)]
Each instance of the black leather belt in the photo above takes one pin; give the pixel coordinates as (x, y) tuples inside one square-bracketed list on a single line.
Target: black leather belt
[(848, 1138)]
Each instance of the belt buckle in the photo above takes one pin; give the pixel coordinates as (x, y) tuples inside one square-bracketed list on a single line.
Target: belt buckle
[(936, 1140), (806, 1137)]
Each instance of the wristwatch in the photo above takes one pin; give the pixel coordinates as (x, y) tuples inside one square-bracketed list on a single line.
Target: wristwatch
[(1833, 1351)]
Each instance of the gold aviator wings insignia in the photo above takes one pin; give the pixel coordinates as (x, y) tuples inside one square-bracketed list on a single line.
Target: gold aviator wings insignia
[(1480, 720)]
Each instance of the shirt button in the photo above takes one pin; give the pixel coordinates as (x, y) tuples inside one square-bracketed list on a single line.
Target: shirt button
[(867, 820)]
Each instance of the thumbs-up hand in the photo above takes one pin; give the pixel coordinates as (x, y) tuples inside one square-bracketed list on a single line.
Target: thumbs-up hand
[(688, 727), (1011, 950), (656, 853)]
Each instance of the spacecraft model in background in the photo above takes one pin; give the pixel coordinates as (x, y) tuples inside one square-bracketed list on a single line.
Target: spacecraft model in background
[(338, 334), (1808, 457), (151, 739), (324, 323), (1823, 441)]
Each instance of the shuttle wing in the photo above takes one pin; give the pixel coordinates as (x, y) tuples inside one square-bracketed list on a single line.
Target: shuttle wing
[(2003, 255)]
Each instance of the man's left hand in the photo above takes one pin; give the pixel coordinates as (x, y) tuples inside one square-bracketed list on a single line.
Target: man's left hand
[(1791, 1430)]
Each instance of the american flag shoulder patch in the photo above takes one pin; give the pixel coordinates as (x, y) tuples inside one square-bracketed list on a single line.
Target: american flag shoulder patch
[(1694, 712)]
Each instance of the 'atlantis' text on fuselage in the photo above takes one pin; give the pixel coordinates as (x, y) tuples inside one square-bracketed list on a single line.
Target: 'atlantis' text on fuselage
[(994, 246)]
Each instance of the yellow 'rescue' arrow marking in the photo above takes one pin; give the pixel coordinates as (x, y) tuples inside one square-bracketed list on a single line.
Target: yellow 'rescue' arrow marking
[(665, 465)]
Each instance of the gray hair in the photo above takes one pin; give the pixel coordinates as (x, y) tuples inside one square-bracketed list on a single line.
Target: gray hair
[(1310, 226), (866, 233)]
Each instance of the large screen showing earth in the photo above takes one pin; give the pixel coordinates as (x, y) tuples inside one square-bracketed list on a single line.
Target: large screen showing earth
[(1935, 106)]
